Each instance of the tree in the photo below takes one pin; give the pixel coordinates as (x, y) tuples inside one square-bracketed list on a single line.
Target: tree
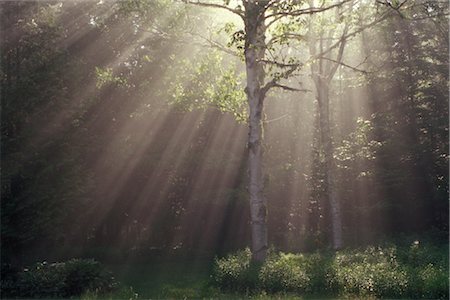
[(323, 70), (257, 17)]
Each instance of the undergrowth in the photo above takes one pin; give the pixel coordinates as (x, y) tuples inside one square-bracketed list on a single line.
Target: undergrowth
[(413, 271)]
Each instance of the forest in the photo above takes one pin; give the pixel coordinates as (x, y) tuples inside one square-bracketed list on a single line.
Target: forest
[(224, 149)]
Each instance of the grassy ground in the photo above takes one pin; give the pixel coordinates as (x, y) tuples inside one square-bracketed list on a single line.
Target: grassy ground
[(180, 280), (167, 278)]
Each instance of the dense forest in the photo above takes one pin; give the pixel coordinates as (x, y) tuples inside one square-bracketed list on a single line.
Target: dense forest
[(174, 133)]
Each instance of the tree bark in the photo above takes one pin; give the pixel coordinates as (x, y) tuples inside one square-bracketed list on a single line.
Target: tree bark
[(254, 53)]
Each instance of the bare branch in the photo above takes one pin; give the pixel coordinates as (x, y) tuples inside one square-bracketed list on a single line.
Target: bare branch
[(337, 62), (343, 41), (306, 11), (276, 18), (276, 119), (280, 64), (274, 82), (215, 5), (289, 88), (349, 35), (217, 45)]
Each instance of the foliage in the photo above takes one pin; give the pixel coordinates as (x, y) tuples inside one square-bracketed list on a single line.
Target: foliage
[(358, 147), (236, 272), (285, 273), (106, 76), (381, 272), (66, 279), (207, 82), (44, 181), (427, 268), (374, 271)]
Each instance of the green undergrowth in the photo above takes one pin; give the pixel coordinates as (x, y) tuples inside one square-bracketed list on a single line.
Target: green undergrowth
[(72, 278), (417, 270), (413, 271)]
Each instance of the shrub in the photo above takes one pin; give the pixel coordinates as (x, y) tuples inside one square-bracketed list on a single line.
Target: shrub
[(235, 272), (418, 271), (427, 268), (419, 254), (429, 282), (434, 281), (71, 278), (373, 272), (42, 281), (280, 273), (87, 274), (285, 273)]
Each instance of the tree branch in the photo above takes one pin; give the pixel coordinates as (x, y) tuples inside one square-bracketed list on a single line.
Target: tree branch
[(292, 35), (289, 88), (276, 119), (274, 82), (280, 64), (346, 37), (215, 5), (343, 41), (217, 45), (345, 65), (306, 11)]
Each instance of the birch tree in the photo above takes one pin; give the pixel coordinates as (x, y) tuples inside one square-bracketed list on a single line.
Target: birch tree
[(264, 71)]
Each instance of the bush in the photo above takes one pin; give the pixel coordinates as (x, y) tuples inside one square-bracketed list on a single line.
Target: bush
[(42, 280), (280, 273), (419, 254), (87, 274), (285, 273), (71, 278), (434, 282), (427, 268), (236, 272), (418, 271), (373, 272)]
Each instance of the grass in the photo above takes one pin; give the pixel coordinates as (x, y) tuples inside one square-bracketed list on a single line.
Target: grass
[(167, 279)]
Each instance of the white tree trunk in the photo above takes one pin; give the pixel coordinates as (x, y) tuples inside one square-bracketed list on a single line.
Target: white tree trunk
[(254, 53)]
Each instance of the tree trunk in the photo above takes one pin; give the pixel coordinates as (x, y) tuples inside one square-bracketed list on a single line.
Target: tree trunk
[(327, 144), (254, 53)]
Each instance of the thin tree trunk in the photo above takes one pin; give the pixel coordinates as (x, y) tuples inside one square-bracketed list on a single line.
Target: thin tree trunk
[(327, 143), (254, 53)]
